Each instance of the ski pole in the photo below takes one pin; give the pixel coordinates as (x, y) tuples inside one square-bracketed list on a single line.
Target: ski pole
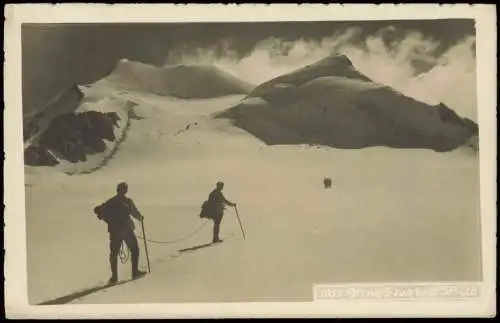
[(239, 220), (145, 244)]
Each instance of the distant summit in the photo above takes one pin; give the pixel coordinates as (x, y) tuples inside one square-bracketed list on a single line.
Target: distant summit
[(333, 65), (331, 103), (181, 81)]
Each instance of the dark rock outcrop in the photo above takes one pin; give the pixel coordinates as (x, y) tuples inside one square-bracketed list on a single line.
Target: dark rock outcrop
[(39, 156), (73, 137)]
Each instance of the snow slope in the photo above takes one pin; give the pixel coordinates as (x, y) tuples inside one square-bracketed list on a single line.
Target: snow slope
[(391, 215), (79, 130)]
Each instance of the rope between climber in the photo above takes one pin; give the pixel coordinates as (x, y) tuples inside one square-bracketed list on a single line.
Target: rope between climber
[(176, 240)]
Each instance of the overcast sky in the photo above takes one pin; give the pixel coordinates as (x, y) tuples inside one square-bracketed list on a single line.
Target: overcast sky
[(58, 56)]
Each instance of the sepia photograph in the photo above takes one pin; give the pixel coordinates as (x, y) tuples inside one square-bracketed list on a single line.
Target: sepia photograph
[(237, 162)]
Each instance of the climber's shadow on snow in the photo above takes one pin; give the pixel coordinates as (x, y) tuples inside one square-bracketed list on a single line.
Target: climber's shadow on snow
[(74, 296), (196, 247)]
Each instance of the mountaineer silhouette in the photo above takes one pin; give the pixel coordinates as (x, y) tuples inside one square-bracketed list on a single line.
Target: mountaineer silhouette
[(213, 208), (116, 213)]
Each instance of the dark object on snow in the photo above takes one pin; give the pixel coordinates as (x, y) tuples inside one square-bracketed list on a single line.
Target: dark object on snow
[(327, 182)]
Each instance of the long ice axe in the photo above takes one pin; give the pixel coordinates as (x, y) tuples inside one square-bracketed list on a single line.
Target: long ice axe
[(239, 220), (145, 244)]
